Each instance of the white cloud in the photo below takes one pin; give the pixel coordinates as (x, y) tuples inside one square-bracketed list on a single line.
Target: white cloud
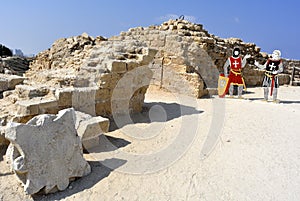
[(174, 16)]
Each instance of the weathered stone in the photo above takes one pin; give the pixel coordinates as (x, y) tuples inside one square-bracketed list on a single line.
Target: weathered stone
[(284, 79), (36, 106), (27, 91), (3, 85), (118, 67), (64, 96), (48, 106), (83, 99), (89, 128), (26, 107), (46, 152), (14, 80)]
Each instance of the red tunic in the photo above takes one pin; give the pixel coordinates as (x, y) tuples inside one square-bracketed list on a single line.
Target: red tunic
[(235, 76)]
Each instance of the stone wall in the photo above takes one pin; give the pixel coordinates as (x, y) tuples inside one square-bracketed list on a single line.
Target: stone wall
[(180, 54), (289, 64)]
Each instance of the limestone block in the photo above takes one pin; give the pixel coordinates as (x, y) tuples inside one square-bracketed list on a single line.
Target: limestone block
[(8, 82), (118, 67), (105, 77), (64, 96), (46, 152), (27, 107), (102, 94), (105, 80), (36, 106), (3, 85), (14, 80), (90, 129), (83, 99), (48, 106), (131, 65), (81, 116), (157, 43), (103, 107), (284, 79), (27, 91)]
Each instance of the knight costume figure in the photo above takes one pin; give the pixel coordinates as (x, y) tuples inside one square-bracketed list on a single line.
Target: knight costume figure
[(273, 67), (236, 63)]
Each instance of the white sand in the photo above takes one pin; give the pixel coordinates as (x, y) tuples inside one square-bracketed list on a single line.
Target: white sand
[(252, 153)]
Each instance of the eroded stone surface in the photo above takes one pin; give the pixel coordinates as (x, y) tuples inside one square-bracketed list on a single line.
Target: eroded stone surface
[(46, 152), (90, 128)]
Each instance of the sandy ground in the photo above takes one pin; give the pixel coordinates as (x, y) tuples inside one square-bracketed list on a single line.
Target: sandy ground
[(187, 149)]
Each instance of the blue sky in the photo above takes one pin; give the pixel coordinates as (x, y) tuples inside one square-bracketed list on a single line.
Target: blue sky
[(33, 25)]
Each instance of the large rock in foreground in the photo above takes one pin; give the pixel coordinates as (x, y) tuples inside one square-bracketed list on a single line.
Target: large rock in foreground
[(46, 152)]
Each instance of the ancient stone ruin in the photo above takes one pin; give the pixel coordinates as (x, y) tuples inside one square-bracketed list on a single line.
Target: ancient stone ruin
[(192, 58), (96, 79)]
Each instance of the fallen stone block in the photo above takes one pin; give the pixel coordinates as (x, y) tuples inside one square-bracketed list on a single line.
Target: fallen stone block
[(90, 128), (46, 152)]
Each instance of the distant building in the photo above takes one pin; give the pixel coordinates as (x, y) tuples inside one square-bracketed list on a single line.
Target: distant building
[(18, 52)]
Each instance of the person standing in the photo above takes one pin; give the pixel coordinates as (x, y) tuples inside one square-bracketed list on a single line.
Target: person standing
[(235, 78), (273, 67)]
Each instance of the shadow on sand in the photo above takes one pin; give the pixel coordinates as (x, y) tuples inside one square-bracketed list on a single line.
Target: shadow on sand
[(160, 111), (281, 101), (2, 151), (289, 102), (98, 173), (107, 144)]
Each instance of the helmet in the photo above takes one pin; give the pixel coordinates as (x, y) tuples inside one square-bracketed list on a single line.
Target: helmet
[(236, 52), (276, 54)]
